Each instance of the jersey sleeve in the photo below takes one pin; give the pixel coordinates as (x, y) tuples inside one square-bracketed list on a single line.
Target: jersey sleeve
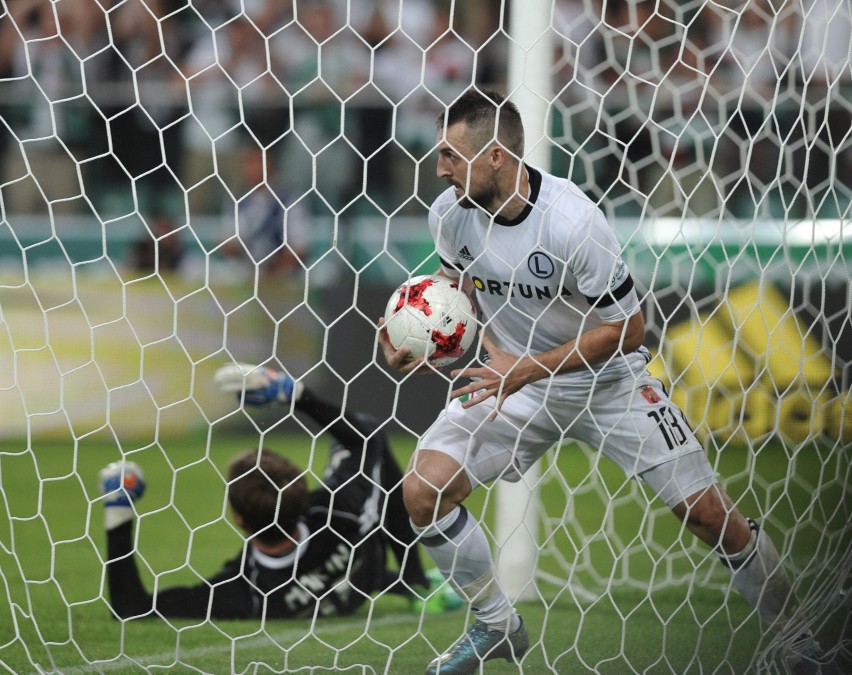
[(601, 273), (443, 235), (226, 595), (231, 595)]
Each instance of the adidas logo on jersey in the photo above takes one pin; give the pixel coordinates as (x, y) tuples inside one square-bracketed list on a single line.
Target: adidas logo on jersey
[(464, 253)]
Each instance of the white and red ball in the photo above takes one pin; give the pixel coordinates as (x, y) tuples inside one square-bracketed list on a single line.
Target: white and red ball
[(433, 317)]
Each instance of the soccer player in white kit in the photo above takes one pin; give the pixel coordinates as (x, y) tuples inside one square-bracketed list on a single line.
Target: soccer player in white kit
[(564, 332)]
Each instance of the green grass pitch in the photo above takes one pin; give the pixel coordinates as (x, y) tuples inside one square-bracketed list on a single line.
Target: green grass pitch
[(53, 616)]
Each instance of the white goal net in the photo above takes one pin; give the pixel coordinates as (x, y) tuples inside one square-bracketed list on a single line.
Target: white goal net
[(189, 183)]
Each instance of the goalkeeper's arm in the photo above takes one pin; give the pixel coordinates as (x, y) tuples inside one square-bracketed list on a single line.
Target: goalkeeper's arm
[(121, 485), (260, 385)]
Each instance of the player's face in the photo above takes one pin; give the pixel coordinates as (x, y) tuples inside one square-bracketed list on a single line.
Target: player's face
[(466, 168)]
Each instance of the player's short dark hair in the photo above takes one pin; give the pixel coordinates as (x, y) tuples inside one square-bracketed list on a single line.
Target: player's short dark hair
[(268, 492), (478, 109)]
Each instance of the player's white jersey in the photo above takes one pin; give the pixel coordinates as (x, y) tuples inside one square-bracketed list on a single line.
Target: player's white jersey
[(545, 277)]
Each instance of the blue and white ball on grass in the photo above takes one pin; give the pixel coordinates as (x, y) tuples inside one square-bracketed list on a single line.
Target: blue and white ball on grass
[(433, 317)]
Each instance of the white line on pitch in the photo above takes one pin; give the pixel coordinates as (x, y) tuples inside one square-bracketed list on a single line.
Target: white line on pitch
[(294, 633)]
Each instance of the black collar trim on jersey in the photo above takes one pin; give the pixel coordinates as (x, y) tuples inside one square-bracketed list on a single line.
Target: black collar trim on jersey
[(535, 188)]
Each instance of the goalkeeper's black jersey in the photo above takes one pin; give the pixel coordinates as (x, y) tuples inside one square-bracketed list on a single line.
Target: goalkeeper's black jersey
[(339, 561)]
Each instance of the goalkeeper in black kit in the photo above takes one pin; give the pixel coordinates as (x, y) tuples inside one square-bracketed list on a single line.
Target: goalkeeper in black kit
[(308, 552)]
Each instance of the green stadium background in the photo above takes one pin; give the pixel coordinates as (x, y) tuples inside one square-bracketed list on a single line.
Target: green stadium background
[(752, 319)]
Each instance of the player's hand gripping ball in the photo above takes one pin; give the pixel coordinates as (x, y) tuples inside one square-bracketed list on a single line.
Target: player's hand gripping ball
[(433, 317)]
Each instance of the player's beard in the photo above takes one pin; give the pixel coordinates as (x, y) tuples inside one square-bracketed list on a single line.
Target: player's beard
[(478, 200)]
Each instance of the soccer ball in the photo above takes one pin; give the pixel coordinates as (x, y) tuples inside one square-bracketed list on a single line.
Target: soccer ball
[(433, 317)]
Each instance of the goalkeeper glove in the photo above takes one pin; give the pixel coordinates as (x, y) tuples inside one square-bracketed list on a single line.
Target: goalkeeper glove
[(258, 385), (121, 484)]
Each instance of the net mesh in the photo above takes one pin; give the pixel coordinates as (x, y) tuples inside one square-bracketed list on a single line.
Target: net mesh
[(150, 152)]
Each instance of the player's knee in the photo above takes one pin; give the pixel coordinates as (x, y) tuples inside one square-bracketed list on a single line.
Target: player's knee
[(420, 498), (434, 485)]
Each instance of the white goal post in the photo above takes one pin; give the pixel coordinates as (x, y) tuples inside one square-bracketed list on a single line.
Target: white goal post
[(530, 88), (187, 183)]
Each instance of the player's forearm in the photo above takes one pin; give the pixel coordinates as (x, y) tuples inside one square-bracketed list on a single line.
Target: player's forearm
[(590, 349)]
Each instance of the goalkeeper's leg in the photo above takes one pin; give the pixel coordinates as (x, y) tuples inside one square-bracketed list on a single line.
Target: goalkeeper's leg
[(397, 527), (350, 430)]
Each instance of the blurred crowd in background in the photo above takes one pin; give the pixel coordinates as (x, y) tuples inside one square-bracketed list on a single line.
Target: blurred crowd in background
[(179, 109)]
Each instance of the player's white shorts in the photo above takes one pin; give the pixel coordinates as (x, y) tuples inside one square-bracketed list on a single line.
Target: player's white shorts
[(633, 422)]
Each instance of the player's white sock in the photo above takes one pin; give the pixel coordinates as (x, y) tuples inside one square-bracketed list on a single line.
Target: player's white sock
[(759, 575), (458, 546)]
